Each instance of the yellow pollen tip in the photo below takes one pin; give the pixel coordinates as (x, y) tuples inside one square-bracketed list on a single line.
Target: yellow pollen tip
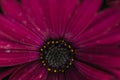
[(56, 41), (48, 42), (69, 46), (63, 71), (43, 61), (49, 69), (72, 50), (67, 66), (44, 46), (41, 49), (63, 41), (53, 42), (55, 70), (70, 63), (72, 59), (60, 40), (44, 64), (65, 44), (41, 57)]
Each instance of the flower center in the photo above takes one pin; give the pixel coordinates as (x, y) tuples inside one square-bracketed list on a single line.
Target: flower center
[(57, 55)]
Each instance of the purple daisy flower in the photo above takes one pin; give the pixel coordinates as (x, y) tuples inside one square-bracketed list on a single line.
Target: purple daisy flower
[(59, 40)]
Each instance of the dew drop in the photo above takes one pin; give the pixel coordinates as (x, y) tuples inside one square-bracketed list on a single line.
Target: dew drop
[(24, 22), (8, 51), (20, 14), (40, 76)]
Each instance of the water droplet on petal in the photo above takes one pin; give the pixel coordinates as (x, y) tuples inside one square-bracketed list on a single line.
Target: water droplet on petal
[(24, 22), (20, 14), (8, 51), (40, 76)]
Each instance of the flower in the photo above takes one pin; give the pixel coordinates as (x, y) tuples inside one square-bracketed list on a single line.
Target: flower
[(59, 40)]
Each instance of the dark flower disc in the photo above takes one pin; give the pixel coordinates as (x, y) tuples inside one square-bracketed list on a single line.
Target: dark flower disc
[(57, 55)]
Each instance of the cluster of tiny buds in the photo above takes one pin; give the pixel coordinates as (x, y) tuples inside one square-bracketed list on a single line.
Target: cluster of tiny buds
[(52, 42)]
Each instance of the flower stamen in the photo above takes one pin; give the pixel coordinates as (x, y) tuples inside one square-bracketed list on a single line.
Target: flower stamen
[(57, 55)]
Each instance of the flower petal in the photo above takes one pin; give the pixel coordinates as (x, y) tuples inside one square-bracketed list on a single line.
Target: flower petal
[(73, 74), (83, 17), (10, 58), (40, 74), (65, 11), (29, 72), (37, 16), (61, 76), (12, 30), (92, 73), (116, 73), (9, 45), (55, 76), (52, 76), (101, 50), (17, 12), (111, 37), (102, 60), (113, 3), (103, 25), (56, 13), (6, 73), (12, 9)]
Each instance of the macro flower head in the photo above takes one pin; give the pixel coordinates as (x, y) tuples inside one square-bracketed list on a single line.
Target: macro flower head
[(59, 40)]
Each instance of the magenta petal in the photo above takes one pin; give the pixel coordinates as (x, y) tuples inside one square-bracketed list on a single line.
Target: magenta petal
[(29, 72), (6, 73), (58, 12), (62, 11), (12, 30), (61, 76), (55, 13), (111, 37), (36, 17), (83, 17), (25, 70), (40, 74), (101, 50), (113, 3), (102, 60), (12, 9), (65, 11), (103, 24), (55, 76), (17, 12), (73, 74), (52, 76), (10, 58), (92, 73), (9, 45), (116, 72)]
